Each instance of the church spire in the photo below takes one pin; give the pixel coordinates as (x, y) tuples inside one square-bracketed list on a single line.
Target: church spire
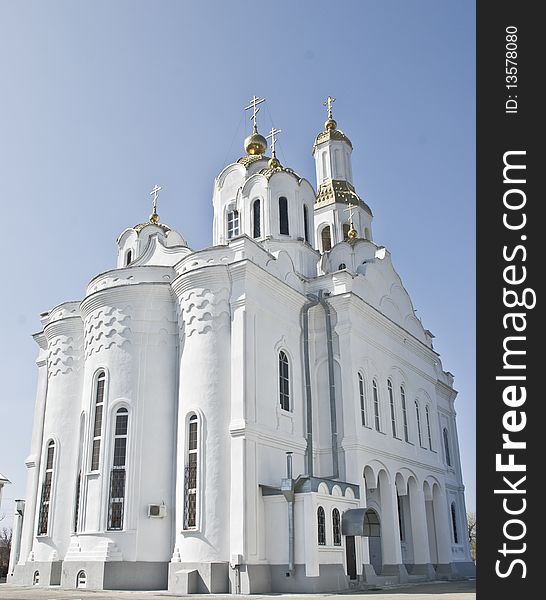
[(274, 162), (255, 143)]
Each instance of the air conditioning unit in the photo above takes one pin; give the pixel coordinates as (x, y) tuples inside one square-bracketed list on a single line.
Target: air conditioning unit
[(157, 511)]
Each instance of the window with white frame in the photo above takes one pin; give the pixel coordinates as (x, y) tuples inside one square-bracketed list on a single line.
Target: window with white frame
[(100, 382), (190, 474), (362, 395), (118, 473), (232, 223), (404, 413), (321, 525), (446, 446), (47, 483), (256, 219), (418, 418), (284, 381), (429, 431), (392, 407), (336, 527), (375, 392)]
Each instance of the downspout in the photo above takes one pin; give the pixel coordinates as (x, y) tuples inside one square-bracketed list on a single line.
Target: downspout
[(313, 301), (331, 381), (287, 489)]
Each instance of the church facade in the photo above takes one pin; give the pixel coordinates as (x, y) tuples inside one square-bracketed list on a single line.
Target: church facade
[(267, 414)]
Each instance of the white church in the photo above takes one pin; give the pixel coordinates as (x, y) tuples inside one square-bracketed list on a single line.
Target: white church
[(264, 415)]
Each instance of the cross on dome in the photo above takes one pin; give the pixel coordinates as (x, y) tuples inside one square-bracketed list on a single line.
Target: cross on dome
[(154, 217)]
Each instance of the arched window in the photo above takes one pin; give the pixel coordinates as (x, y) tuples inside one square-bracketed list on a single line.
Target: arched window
[(97, 426), (391, 403), (418, 417), (116, 502), (284, 381), (305, 223), (376, 405), (404, 413), (190, 474), (128, 257), (336, 527), (256, 219), (429, 432), (47, 482), (321, 523), (283, 216), (362, 394), (454, 523), (341, 266), (446, 446), (81, 579), (401, 523), (346, 229), (326, 238), (232, 223), (36, 578)]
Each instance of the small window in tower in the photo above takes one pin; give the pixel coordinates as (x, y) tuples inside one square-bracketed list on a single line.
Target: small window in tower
[(341, 266), (232, 224), (326, 238), (128, 257), (256, 224), (47, 483), (346, 229), (283, 216), (306, 223), (361, 393)]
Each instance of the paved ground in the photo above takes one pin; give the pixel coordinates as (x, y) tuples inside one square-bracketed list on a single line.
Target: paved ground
[(443, 590)]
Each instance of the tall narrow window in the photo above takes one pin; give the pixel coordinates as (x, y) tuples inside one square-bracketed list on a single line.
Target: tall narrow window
[(321, 523), (404, 413), (283, 216), (77, 501), (305, 223), (232, 224), (418, 417), (190, 476), (116, 503), (346, 229), (284, 381), (128, 257), (376, 405), (326, 238), (446, 447), (256, 220), (336, 527), (362, 395), (429, 432), (47, 482), (97, 426), (454, 523), (391, 403), (401, 519)]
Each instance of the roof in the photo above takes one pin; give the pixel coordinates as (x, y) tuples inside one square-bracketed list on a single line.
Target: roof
[(4, 479)]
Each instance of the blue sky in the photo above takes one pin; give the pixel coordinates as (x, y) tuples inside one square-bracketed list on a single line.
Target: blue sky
[(101, 100)]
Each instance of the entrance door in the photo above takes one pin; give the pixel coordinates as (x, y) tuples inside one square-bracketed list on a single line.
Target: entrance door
[(350, 552), (376, 559)]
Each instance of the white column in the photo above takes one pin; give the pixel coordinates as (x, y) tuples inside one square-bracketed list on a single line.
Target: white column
[(421, 553), (33, 460), (15, 539), (441, 523), (390, 529)]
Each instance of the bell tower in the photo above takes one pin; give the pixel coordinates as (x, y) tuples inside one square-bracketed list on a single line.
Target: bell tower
[(340, 213)]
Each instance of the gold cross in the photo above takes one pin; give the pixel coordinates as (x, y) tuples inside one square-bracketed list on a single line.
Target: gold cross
[(273, 137), (352, 233), (255, 110), (328, 103), (154, 217)]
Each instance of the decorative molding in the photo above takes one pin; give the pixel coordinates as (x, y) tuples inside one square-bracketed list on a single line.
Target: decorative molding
[(204, 309), (106, 328)]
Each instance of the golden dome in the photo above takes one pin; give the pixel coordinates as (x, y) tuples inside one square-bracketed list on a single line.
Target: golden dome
[(274, 163), (255, 144), (330, 124)]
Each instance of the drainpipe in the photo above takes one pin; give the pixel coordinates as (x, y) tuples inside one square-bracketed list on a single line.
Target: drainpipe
[(331, 381), (287, 489), (313, 301)]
